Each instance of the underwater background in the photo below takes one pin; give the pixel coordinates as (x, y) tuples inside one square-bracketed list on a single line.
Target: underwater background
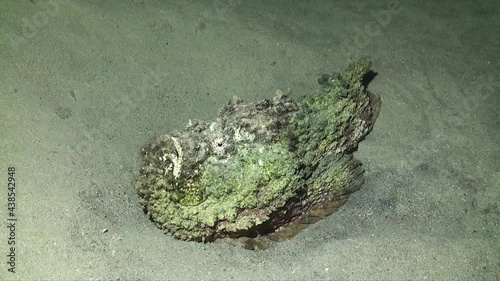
[(85, 84)]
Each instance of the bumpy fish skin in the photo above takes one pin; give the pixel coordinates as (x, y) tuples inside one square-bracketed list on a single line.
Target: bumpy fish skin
[(261, 171)]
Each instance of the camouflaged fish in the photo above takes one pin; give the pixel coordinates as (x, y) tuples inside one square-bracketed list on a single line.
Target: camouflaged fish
[(261, 171)]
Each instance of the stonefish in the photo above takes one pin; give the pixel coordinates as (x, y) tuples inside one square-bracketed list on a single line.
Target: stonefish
[(261, 171)]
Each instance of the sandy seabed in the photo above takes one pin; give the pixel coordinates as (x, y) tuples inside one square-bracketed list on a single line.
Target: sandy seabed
[(84, 84)]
